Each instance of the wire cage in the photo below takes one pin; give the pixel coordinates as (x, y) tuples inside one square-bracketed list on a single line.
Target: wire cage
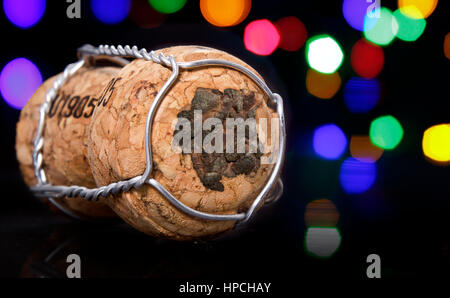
[(270, 192)]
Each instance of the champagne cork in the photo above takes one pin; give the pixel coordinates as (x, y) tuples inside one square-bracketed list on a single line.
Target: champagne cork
[(215, 183), (65, 136)]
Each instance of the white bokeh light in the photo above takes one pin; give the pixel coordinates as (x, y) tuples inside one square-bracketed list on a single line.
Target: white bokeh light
[(322, 242), (324, 54)]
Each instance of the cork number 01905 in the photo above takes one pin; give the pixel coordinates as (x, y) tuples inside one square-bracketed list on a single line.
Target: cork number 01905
[(72, 106), (80, 106)]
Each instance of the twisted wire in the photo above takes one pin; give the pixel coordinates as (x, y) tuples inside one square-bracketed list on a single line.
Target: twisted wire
[(127, 51), (48, 190), (38, 142)]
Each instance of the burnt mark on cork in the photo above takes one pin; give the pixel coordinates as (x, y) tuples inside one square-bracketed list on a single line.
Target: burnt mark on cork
[(211, 167)]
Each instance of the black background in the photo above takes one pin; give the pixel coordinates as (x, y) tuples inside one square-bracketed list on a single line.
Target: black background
[(404, 218)]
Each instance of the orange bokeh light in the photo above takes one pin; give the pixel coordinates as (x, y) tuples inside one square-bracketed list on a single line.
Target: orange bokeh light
[(417, 9), (322, 85), (447, 46), (225, 13), (321, 213), (362, 149)]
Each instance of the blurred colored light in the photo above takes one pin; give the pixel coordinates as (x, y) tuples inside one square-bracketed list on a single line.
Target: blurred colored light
[(261, 37), (18, 81), (357, 177), (143, 14), (361, 95), (409, 29), (167, 6), (362, 149), (321, 213), (24, 13), (322, 85), (356, 12), (436, 142), (292, 33), (225, 13), (417, 9), (447, 46), (322, 242), (329, 141), (386, 132), (324, 54), (111, 11), (384, 30), (367, 59)]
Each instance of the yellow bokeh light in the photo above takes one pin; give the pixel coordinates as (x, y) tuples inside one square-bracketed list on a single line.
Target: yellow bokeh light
[(417, 9), (447, 46), (362, 149), (225, 13), (436, 143), (322, 85)]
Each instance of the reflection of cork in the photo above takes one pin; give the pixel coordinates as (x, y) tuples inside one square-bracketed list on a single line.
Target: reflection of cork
[(65, 136), (117, 152)]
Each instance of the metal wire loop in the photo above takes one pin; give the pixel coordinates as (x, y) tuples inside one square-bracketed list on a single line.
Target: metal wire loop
[(270, 192)]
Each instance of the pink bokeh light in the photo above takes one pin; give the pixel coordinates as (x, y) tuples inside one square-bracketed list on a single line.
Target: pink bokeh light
[(261, 37)]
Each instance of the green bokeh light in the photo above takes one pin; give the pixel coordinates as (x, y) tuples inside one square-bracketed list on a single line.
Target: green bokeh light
[(384, 30), (386, 132), (324, 54), (409, 29), (167, 6)]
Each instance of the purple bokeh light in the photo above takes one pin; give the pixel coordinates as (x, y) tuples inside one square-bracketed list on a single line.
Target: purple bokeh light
[(24, 13), (19, 79), (355, 13), (329, 141)]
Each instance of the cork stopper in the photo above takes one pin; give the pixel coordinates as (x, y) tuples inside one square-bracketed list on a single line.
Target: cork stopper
[(221, 184), (66, 136)]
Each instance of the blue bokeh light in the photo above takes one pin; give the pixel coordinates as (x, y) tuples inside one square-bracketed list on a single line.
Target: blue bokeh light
[(361, 95), (19, 79), (111, 11), (24, 13), (329, 141), (356, 14), (356, 176)]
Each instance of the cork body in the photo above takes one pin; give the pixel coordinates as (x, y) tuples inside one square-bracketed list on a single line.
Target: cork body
[(65, 136), (215, 184)]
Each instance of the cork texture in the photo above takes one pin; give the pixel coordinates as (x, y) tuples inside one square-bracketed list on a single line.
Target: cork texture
[(65, 135), (231, 104), (117, 152)]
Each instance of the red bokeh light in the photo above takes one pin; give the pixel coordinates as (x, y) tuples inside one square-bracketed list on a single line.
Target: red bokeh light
[(143, 15), (292, 33), (367, 59), (261, 37)]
